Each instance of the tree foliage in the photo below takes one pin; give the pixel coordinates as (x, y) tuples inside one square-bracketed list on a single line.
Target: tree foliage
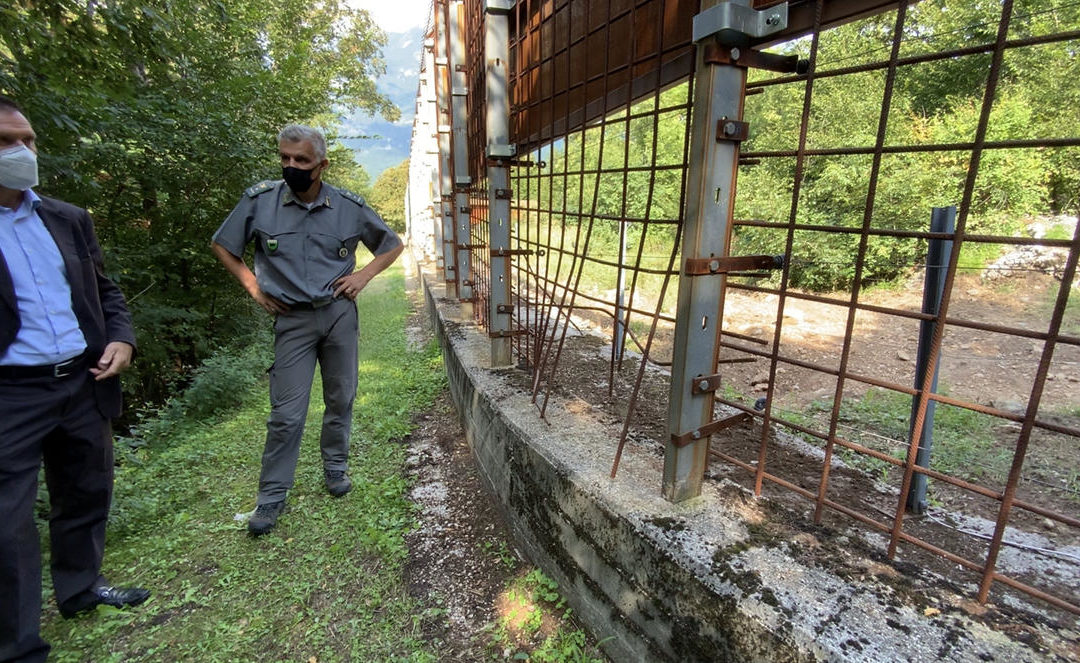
[(937, 102), (156, 115), (388, 195)]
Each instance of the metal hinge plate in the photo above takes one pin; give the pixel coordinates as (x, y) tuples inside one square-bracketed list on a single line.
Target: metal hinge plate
[(718, 265), (708, 429)]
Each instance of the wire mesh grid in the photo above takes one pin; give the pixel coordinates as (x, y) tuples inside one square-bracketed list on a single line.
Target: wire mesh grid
[(839, 175)]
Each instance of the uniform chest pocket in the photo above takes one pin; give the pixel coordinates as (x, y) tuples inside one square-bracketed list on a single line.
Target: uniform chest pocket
[(336, 247), (276, 245)]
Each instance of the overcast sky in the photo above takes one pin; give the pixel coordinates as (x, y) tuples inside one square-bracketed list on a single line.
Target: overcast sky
[(396, 15)]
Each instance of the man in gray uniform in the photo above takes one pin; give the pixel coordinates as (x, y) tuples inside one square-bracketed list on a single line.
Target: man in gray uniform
[(306, 233)]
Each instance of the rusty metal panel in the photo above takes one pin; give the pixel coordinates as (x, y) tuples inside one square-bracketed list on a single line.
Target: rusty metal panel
[(572, 60)]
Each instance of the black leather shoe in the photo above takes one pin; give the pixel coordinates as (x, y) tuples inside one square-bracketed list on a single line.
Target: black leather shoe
[(117, 597)]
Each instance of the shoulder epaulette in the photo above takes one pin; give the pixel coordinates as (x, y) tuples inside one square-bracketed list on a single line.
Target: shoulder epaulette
[(261, 187), (356, 198)]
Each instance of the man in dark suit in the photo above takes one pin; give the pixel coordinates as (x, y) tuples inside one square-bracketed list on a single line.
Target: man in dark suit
[(65, 335)]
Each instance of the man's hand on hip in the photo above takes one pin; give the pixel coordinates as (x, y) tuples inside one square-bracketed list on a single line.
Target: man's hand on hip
[(271, 305), (351, 285), (115, 358)]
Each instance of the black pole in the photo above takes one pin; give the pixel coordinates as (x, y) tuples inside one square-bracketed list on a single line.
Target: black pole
[(942, 220)]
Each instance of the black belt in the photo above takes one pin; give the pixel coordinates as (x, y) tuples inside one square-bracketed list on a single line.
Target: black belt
[(62, 370), (309, 306)]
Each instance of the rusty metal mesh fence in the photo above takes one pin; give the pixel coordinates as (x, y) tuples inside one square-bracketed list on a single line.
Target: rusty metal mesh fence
[(843, 166)]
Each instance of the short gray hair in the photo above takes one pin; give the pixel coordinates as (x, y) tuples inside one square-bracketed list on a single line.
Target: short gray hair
[(295, 133)]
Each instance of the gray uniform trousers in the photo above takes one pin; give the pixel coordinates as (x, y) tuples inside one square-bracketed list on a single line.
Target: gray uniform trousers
[(329, 335)]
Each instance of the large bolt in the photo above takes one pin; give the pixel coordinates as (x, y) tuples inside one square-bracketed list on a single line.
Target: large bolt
[(773, 20), (703, 385), (714, 265), (696, 435), (730, 128), (735, 53)]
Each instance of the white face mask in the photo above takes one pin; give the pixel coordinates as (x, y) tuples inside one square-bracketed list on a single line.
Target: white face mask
[(18, 168)]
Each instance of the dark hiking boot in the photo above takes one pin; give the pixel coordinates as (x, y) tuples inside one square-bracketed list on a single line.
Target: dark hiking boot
[(337, 482), (265, 517)]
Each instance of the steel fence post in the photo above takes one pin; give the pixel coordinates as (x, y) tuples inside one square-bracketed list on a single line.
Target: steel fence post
[(430, 134), (721, 35), (446, 184), (460, 146), (499, 152), (942, 220)]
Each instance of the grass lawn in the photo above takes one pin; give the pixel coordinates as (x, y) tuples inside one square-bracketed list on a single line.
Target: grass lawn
[(326, 584)]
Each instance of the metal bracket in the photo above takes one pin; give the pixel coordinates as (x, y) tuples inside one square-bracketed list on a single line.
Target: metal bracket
[(716, 53), (506, 334), (733, 22), (504, 308), (470, 247), (504, 194), (498, 6), (717, 265), (515, 163), (708, 429), (465, 209), (497, 151), (461, 68), (704, 384), (459, 92), (506, 253), (466, 283), (733, 130)]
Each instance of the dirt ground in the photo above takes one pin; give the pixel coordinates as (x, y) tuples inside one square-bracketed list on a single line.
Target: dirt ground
[(461, 557)]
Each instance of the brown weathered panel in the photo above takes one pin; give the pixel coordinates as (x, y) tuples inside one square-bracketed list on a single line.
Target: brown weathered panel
[(596, 55)]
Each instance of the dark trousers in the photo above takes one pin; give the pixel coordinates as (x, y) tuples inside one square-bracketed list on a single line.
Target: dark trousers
[(56, 421), (302, 337)]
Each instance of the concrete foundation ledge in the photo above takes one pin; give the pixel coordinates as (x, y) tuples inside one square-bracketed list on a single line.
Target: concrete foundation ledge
[(708, 580)]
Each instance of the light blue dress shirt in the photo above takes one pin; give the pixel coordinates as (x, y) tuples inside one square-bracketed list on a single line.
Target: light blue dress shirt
[(49, 331)]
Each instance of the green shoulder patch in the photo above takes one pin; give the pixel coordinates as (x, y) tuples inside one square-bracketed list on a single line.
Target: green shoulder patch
[(356, 198), (261, 187)]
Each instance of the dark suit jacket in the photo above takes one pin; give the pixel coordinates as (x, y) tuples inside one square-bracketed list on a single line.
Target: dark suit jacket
[(98, 303)]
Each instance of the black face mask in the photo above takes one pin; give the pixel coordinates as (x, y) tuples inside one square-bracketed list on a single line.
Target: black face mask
[(298, 179)]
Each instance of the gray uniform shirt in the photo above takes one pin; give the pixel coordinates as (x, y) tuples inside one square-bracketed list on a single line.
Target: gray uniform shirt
[(300, 252)]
